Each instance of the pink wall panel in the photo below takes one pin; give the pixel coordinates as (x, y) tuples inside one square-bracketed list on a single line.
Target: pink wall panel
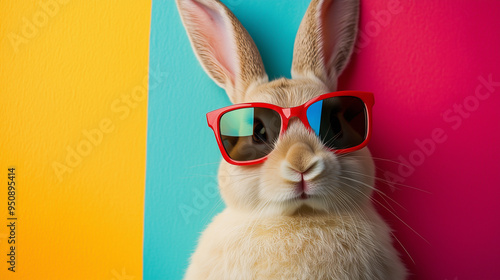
[(434, 69)]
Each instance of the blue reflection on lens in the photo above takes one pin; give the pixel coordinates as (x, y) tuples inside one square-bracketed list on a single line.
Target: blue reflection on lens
[(237, 123), (314, 115)]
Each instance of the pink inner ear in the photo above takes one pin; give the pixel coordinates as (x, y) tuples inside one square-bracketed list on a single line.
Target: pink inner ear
[(327, 22), (334, 15), (216, 36)]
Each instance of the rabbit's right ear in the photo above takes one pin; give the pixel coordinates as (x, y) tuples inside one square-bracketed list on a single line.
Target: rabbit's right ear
[(223, 46), (325, 40)]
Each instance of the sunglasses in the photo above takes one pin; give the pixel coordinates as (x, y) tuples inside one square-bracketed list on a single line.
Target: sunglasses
[(246, 132)]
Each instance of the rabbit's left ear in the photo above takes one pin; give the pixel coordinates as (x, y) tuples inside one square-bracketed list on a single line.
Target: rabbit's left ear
[(223, 46), (325, 40)]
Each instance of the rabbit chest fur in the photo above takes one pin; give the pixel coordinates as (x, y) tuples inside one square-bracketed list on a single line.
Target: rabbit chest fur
[(235, 246)]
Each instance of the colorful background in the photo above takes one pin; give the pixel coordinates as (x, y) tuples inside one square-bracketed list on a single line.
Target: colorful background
[(74, 78)]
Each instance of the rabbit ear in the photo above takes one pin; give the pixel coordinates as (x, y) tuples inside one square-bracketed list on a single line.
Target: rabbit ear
[(325, 40), (223, 46)]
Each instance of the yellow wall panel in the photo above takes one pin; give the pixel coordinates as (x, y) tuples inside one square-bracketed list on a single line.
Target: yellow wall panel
[(73, 93)]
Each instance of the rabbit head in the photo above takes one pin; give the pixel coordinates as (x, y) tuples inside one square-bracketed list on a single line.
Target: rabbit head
[(300, 175)]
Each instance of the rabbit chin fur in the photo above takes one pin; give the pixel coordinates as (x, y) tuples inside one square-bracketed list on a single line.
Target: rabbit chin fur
[(267, 232), (304, 213)]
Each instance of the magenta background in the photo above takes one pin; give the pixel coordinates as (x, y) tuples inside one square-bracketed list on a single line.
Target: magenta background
[(428, 58)]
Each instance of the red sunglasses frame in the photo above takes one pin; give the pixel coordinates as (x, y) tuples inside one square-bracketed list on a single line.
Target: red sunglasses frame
[(213, 119)]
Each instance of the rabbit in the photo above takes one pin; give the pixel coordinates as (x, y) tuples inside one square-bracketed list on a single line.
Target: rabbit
[(262, 234)]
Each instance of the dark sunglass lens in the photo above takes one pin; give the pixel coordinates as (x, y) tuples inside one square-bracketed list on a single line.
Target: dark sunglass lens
[(340, 122), (249, 133)]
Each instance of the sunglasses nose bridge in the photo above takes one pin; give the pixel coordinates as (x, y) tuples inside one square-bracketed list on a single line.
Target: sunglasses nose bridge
[(293, 114)]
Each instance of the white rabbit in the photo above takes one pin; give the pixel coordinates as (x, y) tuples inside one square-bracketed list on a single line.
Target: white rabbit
[(262, 234)]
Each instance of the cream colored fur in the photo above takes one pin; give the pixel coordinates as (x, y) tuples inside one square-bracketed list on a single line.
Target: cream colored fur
[(266, 232)]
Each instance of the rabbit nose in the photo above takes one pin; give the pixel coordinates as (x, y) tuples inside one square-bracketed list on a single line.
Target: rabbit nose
[(301, 162)]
